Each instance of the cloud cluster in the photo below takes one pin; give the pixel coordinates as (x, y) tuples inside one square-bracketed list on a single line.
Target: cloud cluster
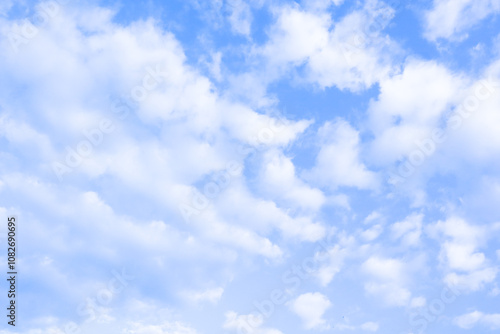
[(207, 148)]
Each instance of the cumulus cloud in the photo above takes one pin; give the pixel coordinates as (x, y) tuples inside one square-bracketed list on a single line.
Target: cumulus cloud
[(279, 179), (248, 323), (349, 54), (117, 147), (388, 280), (338, 162), (356, 54), (330, 263), (167, 328), (310, 307), (409, 107), (470, 320), (450, 19), (467, 267)]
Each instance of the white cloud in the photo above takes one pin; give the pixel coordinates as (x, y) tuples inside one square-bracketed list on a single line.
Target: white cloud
[(236, 204), (451, 19), (472, 281), (463, 257), (166, 328), (225, 233), (197, 122), (470, 320), (389, 293), (210, 295), (367, 326), (473, 120), (408, 230), (419, 126), (370, 326), (388, 280), (349, 54), (418, 302), (356, 54), (137, 317), (187, 129), (374, 216), (240, 17), (320, 5), (251, 324), (296, 35), (214, 65), (26, 138), (409, 106), (467, 268), (338, 162), (372, 233), (385, 269), (330, 262), (278, 179), (310, 307)]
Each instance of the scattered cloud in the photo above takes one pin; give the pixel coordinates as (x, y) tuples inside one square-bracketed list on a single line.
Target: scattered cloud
[(310, 307)]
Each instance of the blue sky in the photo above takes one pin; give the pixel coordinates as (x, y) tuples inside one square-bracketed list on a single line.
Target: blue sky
[(252, 166)]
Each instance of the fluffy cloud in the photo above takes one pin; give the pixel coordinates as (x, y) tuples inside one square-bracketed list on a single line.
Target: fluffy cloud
[(372, 233), (409, 106), (330, 262), (167, 328), (198, 122), (247, 323), (279, 179), (467, 268), (356, 54), (310, 307), (370, 326), (210, 295), (470, 320), (450, 19), (350, 54), (240, 17), (367, 326), (259, 190), (338, 162), (388, 280), (470, 126), (408, 230)]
